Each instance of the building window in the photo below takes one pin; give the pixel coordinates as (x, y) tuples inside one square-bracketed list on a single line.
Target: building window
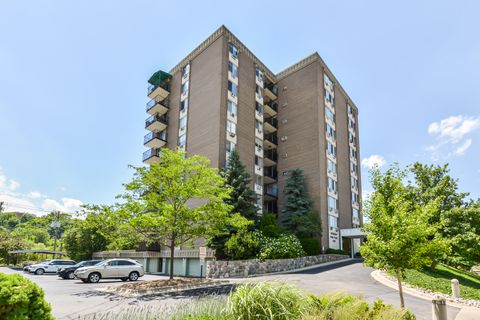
[(353, 153), (350, 109), (328, 96), (351, 137), (353, 167), (258, 161), (232, 108), (332, 184), (331, 149), (259, 74), (351, 124), (233, 69), (231, 127), (354, 182), (233, 50), (355, 213), (182, 140), (332, 221), (184, 88), (259, 200), (259, 108), (183, 123), (331, 167), (259, 144), (229, 148), (233, 88), (330, 131), (185, 70), (332, 203), (327, 80), (355, 198), (258, 125), (259, 90), (184, 105), (329, 114), (258, 179)]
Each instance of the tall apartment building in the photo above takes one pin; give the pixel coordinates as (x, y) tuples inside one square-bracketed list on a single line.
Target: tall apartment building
[(221, 97)]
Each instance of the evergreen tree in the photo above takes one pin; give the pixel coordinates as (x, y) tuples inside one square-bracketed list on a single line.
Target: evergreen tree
[(242, 199), (297, 201)]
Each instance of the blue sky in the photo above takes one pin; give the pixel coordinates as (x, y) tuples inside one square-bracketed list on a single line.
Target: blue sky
[(73, 82)]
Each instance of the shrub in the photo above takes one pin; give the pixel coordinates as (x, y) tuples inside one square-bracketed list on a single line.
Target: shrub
[(334, 251), (242, 245), (20, 298), (266, 300), (284, 247), (310, 245), (269, 226)]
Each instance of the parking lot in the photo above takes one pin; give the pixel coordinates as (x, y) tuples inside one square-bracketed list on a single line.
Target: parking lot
[(72, 299)]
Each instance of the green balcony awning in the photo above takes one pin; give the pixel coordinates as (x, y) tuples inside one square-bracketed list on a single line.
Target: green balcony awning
[(159, 77)]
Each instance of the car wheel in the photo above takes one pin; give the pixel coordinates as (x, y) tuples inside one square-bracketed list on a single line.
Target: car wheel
[(94, 277), (124, 279), (39, 272), (70, 276), (133, 276)]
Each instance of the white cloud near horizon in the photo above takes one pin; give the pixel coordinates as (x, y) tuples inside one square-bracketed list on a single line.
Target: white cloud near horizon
[(374, 160), (31, 202), (451, 135)]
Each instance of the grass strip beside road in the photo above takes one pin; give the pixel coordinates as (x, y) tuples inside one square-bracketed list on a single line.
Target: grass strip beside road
[(439, 280)]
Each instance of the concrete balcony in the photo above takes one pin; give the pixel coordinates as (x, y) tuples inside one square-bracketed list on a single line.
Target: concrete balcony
[(270, 141), (157, 107), (271, 192), (271, 108), (151, 155), (271, 91), (270, 175), (270, 125), (156, 123), (158, 92), (270, 158), (155, 139)]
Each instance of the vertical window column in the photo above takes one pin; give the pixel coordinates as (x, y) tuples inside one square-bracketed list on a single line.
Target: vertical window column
[(352, 141), (184, 96), (232, 101)]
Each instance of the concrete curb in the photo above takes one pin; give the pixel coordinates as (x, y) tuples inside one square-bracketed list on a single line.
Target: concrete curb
[(379, 276), (135, 293)]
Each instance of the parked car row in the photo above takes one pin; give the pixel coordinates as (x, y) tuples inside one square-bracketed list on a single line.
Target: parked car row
[(91, 270)]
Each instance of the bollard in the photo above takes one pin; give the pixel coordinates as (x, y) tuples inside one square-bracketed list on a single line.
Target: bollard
[(439, 308), (455, 288)]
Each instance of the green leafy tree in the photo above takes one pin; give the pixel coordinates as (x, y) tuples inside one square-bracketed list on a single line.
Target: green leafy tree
[(175, 201), (84, 238), (8, 220), (400, 233), (9, 242), (462, 226), (269, 225)]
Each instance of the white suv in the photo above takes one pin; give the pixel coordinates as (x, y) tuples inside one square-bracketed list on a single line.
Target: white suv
[(124, 269), (49, 266)]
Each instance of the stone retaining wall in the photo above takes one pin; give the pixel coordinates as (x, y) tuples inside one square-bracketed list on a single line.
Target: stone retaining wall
[(245, 268)]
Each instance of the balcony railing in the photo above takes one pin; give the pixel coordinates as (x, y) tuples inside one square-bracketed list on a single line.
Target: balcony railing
[(152, 87), (152, 103), (271, 137), (271, 154), (151, 153), (163, 119), (273, 122), (273, 88), (155, 135), (273, 105), (271, 190), (270, 172)]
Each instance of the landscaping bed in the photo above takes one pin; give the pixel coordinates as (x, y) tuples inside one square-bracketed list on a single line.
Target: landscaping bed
[(135, 289)]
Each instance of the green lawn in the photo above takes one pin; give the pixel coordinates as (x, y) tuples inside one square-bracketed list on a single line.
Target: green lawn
[(439, 281)]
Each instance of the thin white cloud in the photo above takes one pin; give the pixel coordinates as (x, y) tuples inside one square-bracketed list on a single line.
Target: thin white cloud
[(451, 136), (68, 205), (374, 160), (460, 151), (35, 195), (30, 202)]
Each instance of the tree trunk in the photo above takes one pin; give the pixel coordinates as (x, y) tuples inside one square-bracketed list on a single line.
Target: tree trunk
[(400, 289), (172, 255)]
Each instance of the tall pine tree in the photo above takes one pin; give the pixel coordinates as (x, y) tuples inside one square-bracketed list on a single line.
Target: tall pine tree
[(242, 199), (297, 201)]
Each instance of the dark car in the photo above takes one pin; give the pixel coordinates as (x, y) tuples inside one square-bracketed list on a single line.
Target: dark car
[(67, 273)]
